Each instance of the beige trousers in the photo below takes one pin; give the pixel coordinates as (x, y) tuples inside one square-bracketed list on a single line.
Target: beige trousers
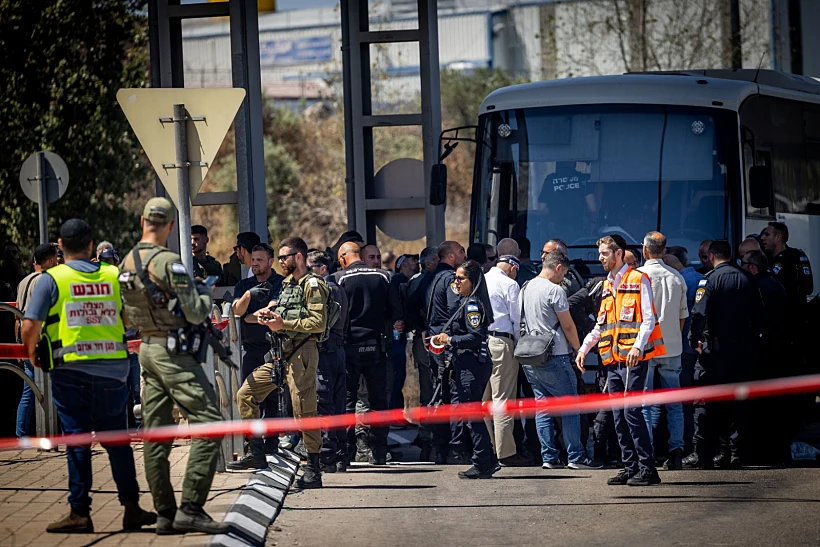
[(502, 387)]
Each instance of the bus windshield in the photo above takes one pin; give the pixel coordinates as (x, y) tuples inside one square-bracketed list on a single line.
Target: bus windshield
[(580, 172)]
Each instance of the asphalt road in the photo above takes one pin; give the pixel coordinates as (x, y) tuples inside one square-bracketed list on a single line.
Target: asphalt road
[(419, 505)]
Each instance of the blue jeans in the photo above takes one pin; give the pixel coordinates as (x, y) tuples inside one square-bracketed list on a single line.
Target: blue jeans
[(91, 403), (133, 383), (556, 379), (669, 369), (26, 406)]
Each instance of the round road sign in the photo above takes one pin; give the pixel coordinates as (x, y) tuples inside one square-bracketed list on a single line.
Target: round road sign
[(54, 171)]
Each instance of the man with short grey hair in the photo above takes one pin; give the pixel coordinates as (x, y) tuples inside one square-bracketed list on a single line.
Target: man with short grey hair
[(573, 281), (508, 247), (669, 296)]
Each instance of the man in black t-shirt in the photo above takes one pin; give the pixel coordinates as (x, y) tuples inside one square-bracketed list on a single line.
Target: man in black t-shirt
[(565, 196)]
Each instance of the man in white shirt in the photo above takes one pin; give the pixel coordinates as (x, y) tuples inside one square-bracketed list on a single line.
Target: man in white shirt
[(503, 332), (669, 295)]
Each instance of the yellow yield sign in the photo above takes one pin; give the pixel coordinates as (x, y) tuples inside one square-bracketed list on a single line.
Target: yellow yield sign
[(209, 114)]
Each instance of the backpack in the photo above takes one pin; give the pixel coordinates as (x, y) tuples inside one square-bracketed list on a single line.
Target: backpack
[(334, 312)]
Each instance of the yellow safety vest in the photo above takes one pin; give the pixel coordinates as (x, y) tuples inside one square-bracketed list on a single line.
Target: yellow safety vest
[(85, 323)]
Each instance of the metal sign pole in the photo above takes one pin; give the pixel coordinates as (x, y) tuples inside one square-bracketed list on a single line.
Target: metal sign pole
[(43, 202), (183, 186)]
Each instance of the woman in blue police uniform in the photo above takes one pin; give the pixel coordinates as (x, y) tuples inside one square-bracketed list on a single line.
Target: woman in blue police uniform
[(466, 341)]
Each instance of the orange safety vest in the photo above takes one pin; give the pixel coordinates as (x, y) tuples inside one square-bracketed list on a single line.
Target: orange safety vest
[(620, 320)]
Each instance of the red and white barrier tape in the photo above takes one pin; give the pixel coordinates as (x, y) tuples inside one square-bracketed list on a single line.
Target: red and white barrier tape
[(466, 411)]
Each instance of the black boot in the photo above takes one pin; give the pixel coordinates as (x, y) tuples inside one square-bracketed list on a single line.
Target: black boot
[(312, 477), (255, 459), (363, 453)]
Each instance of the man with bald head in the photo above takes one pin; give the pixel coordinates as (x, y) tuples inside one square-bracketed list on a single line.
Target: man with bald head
[(572, 281), (746, 246), (366, 289)]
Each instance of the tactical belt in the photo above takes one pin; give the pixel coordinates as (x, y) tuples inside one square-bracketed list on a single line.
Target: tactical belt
[(158, 340)]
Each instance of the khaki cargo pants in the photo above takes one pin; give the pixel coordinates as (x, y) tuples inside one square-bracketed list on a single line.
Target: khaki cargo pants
[(300, 375), (177, 380)]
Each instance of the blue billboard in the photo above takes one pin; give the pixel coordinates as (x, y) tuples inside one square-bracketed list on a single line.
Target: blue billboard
[(316, 49)]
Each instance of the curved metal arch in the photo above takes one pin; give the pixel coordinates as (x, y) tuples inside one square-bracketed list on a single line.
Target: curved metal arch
[(22, 374)]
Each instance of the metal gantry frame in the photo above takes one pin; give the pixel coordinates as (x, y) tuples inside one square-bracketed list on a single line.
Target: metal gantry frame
[(362, 201), (167, 70)]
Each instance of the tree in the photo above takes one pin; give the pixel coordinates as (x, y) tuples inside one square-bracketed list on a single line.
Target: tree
[(611, 36), (63, 63)]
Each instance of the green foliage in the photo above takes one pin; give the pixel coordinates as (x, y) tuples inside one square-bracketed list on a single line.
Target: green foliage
[(462, 93), (63, 63)]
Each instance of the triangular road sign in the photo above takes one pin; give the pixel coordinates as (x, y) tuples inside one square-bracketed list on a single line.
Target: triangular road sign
[(145, 107)]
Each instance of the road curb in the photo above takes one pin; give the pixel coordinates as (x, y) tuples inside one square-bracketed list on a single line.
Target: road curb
[(259, 502)]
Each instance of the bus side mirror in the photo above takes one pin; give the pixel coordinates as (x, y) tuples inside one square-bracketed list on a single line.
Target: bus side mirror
[(760, 186), (438, 184)]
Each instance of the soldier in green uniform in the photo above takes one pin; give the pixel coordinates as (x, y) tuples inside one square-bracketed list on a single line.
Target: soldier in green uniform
[(300, 315), (151, 279), (204, 264)]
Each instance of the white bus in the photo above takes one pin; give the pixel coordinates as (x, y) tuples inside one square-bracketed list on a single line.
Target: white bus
[(713, 154)]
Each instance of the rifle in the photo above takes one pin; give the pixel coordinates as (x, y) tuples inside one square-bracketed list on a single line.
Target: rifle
[(277, 372)]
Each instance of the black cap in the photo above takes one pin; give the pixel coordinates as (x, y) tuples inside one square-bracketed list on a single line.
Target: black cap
[(247, 240), (74, 228), (43, 252)]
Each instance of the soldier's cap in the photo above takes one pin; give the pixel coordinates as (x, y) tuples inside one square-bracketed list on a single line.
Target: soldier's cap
[(510, 259), (159, 211), (74, 228)]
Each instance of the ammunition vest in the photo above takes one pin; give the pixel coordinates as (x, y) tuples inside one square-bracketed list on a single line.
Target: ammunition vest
[(620, 321), (147, 307), (291, 305), (85, 324)]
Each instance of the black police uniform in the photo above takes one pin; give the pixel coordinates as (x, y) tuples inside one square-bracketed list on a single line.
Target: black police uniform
[(471, 371), (441, 303), (366, 291), (769, 442), (727, 318), (331, 379), (254, 341), (254, 336), (792, 269)]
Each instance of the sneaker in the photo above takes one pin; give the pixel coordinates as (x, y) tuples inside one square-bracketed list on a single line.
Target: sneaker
[(621, 478), (191, 517), (515, 460), (584, 463), (251, 462), (475, 473), (71, 524), (557, 464), (693, 461), (645, 477)]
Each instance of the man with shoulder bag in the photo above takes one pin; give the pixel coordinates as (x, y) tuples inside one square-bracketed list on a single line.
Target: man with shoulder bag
[(548, 339)]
